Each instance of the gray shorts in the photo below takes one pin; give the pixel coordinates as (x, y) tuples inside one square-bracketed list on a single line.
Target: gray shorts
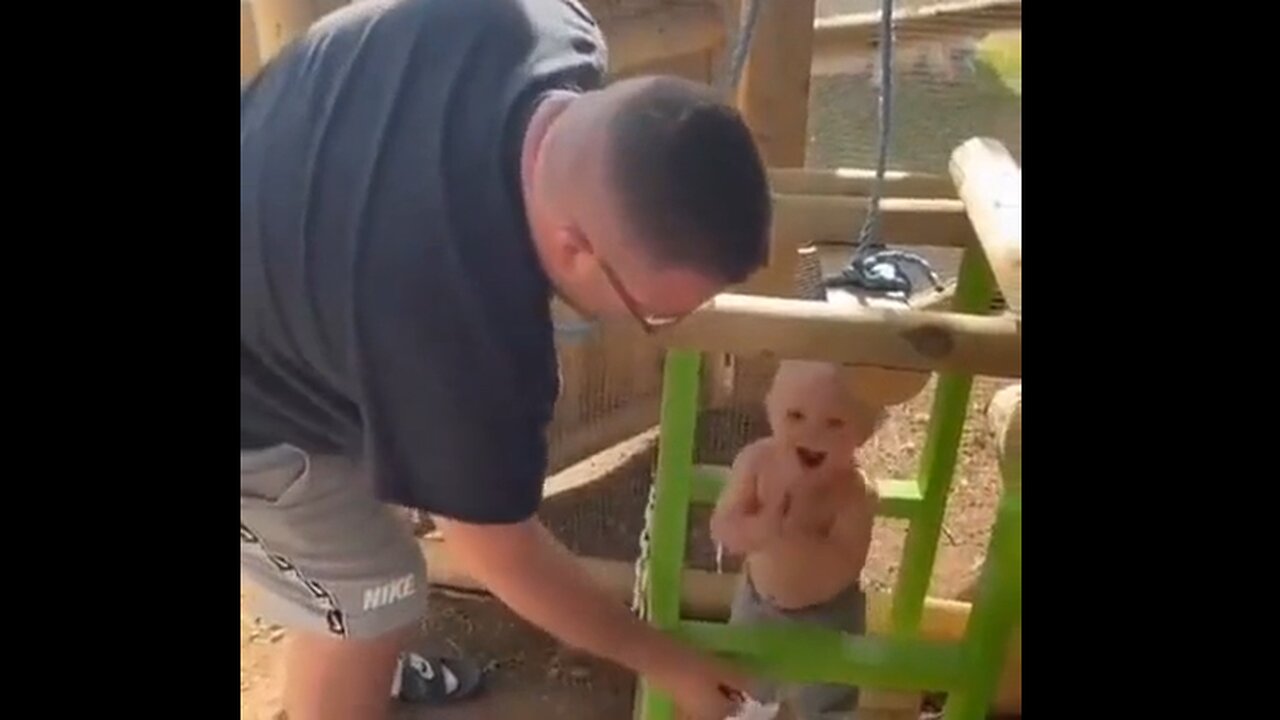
[(846, 612), (324, 554)]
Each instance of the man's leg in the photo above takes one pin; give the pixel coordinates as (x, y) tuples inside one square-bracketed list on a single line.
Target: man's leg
[(336, 678), (339, 570)]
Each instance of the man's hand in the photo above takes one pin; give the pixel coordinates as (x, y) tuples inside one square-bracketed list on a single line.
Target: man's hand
[(526, 568), (702, 687)]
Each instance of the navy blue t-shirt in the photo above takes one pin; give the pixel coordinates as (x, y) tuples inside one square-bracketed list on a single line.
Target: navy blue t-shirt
[(392, 307)]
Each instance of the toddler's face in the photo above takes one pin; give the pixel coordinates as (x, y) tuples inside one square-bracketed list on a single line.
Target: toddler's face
[(812, 414)]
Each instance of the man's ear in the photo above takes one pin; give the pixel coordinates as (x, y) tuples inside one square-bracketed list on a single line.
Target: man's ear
[(571, 250)]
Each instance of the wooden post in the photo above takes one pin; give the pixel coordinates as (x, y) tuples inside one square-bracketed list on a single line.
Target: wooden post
[(774, 95), (250, 60), (280, 21), (990, 184)]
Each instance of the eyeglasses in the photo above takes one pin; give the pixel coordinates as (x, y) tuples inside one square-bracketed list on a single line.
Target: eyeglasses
[(649, 323)]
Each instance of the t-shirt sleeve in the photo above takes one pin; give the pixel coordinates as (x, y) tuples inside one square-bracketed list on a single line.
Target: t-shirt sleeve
[(447, 427)]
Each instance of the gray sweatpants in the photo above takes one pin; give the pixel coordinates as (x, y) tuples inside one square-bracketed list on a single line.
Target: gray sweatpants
[(325, 555), (846, 612)]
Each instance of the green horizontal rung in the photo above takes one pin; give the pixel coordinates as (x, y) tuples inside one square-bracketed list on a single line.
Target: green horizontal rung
[(898, 498), (806, 654)]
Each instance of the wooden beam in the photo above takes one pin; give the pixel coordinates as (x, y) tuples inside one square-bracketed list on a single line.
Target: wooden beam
[(250, 59), (806, 219), (661, 34), (858, 182), (774, 95), (990, 184), (859, 32), (708, 596), (747, 325), (599, 466)]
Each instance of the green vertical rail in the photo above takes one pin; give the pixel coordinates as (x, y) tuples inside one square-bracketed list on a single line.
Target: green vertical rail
[(679, 420), (938, 458), (997, 610)]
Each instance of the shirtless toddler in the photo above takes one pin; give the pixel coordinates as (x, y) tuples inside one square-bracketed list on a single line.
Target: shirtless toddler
[(800, 510)]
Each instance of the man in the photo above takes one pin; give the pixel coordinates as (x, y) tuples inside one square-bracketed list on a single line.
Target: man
[(417, 177)]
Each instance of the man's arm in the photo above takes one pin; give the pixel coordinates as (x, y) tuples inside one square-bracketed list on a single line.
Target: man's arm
[(526, 568), (530, 571)]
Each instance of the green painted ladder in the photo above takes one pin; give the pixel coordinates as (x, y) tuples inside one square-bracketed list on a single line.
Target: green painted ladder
[(969, 671)]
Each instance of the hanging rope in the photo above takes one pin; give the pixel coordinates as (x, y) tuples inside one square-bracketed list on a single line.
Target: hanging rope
[(736, 61), (739, 49), (874, 267)]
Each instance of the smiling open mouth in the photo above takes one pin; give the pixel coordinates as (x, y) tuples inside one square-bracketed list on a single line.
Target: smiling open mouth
[(810, 458)]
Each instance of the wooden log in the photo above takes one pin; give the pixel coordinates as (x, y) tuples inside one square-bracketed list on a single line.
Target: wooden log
[(859, 182), (774, 94), (250, 59), (801, 220), (859, 32), (708, 595), (900, 339), (661, 34), (990, 184)]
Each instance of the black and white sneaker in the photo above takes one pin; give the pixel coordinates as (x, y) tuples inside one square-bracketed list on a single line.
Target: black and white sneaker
[(435, 681)]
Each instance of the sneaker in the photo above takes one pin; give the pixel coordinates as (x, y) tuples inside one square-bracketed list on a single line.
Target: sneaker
[(435, 681)]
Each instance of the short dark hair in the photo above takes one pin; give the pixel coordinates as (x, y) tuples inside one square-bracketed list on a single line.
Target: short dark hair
[(691, 179)]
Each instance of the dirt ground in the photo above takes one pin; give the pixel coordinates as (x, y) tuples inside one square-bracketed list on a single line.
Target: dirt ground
[(532, 677)]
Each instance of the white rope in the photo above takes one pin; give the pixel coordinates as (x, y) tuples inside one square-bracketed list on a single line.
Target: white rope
[(640, 587), (736, 61)]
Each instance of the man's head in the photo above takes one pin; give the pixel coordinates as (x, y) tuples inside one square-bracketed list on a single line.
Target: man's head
[(645, 198), (814, 409)]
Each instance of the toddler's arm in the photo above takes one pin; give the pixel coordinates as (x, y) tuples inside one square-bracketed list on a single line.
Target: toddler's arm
[(740, 522)]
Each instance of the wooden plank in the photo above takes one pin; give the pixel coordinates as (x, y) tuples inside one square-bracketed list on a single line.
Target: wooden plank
[(858, 182), (802, 220), (858, 32), (989, 182), (660, 34), (902, 339), (774, 94)]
